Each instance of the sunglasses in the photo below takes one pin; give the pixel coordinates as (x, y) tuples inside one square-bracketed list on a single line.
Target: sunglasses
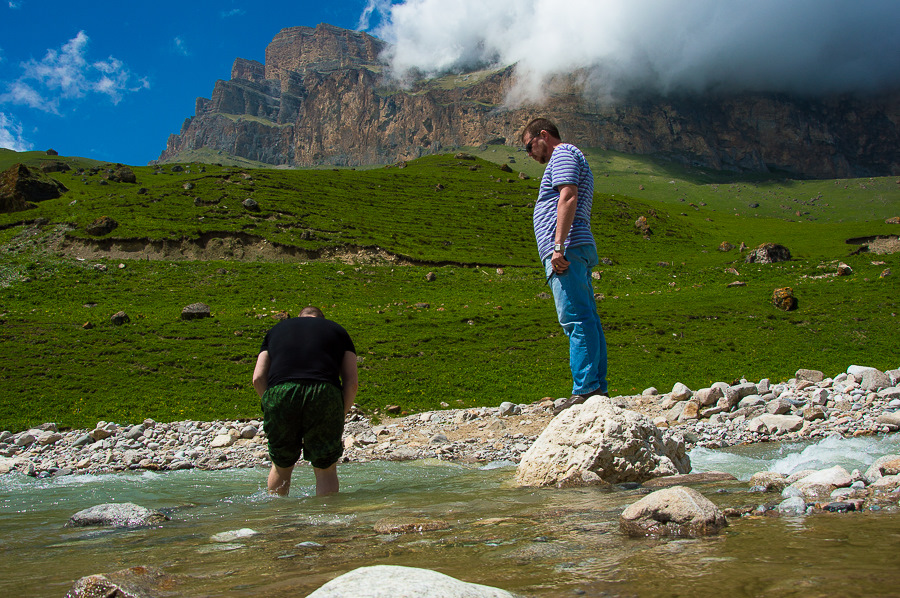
[(530, 143)]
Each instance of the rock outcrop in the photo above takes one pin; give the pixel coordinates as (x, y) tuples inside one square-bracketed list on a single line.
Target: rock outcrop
[(21, 186), (321, 98), (598, 442)]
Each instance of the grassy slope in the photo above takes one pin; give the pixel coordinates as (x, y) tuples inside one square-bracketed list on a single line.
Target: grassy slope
[(483, 337)]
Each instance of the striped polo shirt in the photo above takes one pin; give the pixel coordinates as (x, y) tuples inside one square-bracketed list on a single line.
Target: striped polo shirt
[(567, 166)]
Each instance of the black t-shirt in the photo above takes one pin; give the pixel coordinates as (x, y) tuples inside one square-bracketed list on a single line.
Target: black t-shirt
[(306, 349)]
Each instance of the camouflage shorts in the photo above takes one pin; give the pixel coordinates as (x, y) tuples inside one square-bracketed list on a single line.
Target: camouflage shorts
[(307, 418)]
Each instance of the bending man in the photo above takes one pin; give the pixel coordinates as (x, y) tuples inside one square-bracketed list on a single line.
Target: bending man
[(307, 379)]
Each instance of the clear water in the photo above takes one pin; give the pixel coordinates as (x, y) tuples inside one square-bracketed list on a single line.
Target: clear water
[(535, 542)]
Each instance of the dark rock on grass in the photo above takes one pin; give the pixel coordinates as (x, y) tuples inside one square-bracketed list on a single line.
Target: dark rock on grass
[(20, 186), (195, 311), (768, 253), (101, 226)]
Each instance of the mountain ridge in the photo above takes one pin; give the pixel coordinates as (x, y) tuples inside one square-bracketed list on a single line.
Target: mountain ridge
[(323, 97)]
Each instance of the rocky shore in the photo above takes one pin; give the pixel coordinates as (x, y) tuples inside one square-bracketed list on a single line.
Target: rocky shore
[(860, 401)]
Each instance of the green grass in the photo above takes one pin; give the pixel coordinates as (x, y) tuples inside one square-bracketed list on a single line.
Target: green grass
[(483, 337)]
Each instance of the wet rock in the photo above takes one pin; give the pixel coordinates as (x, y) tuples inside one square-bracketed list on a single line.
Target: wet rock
[(617, 445), (135, 582), (676, 511), (407, 525), (821, 484), (382, 581), (690, 478), (768, 481), (232, 535), (116, 515)]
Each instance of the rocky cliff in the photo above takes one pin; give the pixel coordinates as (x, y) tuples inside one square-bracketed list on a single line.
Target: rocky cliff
[(321, 99)]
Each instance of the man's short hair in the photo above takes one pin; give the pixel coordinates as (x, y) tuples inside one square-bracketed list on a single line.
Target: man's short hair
[(535, 127), (311, 311)]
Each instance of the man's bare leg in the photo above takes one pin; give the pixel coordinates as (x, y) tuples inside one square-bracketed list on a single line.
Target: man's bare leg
[(279, 481), (326, 480)]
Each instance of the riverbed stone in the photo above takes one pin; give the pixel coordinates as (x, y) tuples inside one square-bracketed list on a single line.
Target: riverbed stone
[(116, 515), (235, 534), (134, 582), (821, 484), (407, 525), (768, 481), (618, 445), (810, 375), (883, 466), (392, 581), (675, 511), (775, 424), (708, 396)]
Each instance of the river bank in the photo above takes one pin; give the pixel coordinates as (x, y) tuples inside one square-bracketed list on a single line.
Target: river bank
[(861, 401)]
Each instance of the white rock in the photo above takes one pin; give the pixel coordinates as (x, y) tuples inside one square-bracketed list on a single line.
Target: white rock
[(617, 444), (680, 392), (391, 581), (231, 536)]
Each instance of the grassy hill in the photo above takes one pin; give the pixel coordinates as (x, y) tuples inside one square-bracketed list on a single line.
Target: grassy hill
[(359, 243)]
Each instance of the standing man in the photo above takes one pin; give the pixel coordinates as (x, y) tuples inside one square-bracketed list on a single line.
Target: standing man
[(562, 227), (307, 379)]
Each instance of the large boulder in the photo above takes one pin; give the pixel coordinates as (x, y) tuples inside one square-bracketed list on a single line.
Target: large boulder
[(598, 442), (116, 515), (20, 186), (675, 511), (391, 581)]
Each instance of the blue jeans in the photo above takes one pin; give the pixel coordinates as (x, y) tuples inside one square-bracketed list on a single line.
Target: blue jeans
[(576, 309)]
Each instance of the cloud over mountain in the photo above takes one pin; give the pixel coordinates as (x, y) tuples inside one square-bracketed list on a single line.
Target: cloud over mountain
[(807, 47)]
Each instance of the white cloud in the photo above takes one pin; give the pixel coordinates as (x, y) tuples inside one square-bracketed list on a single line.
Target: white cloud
[(806, 46), (373, 9), (66, 74), (180, 46), (11, 134), (14, 5), (234, 12)]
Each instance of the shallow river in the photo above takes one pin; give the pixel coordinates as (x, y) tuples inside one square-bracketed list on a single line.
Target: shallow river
[(534, 542)]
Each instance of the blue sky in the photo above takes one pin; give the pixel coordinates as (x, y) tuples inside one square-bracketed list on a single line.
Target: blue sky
[(112, 80)]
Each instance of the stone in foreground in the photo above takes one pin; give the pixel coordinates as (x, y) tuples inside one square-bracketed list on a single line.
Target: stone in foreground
[(598, 442), (135, 582), (116, 515), (675, 511), (391, 581)]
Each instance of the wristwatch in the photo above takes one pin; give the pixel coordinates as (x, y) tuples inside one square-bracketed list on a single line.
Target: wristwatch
[(558, 247)]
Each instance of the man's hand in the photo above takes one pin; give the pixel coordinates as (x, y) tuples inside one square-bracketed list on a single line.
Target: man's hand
[(559, 262)]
